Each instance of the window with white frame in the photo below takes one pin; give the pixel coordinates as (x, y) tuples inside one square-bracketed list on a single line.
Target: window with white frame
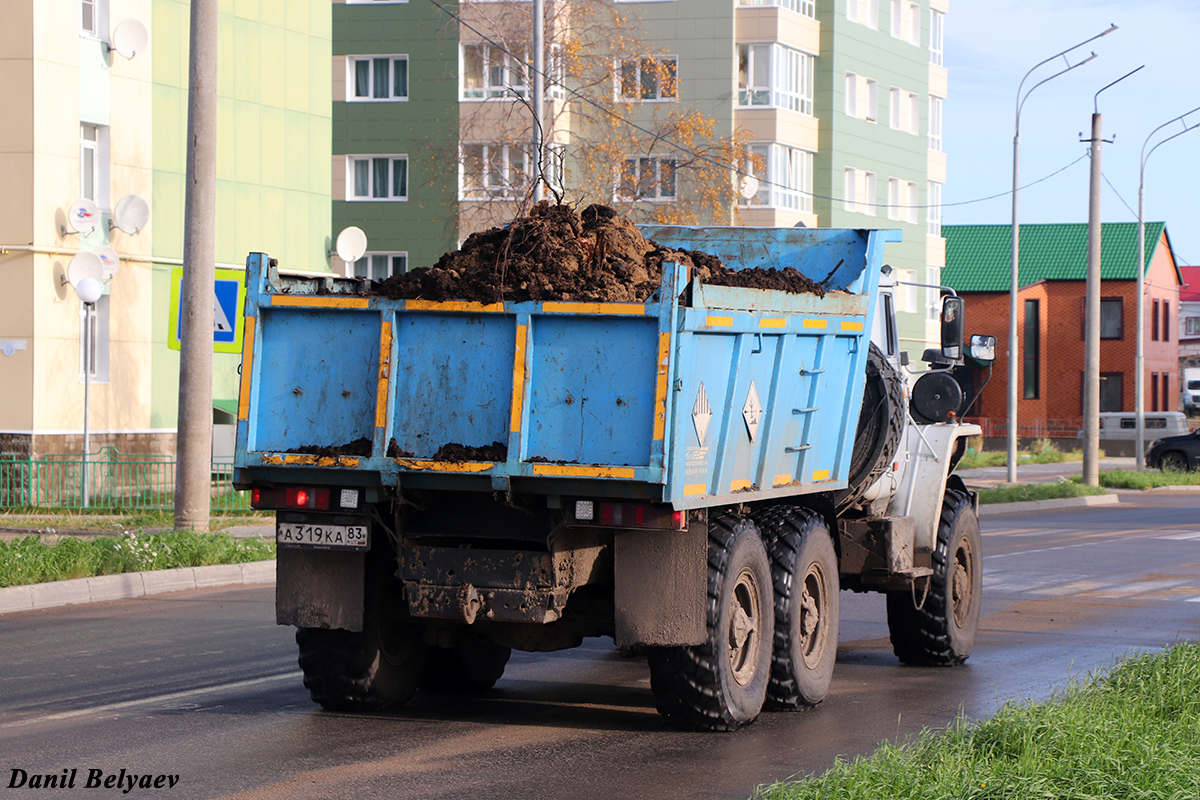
[(377, 78), (906, 293), (94, 18), (910, 199), (935, 123), (93, 163), (902, 200), (893, 199), (933, 296), (862, 97), (378, 266), (489, 72), (647, 79), (494, 171), (647, 178), (933, 209), (937, 36), (775, 75), (97, 354), (859, 191), (806, 7), (904, 113), (864, 12), (376, 178), (1191, 326), (906, 21), (785, 177)]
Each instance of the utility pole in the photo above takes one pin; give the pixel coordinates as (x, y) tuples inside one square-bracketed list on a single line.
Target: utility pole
[(193, 447)]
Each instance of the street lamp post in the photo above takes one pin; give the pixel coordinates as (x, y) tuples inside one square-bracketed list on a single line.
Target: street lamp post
[(1140, 360), (1013, 350)]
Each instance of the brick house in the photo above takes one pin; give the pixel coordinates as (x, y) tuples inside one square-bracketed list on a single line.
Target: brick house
[(1050, 318)]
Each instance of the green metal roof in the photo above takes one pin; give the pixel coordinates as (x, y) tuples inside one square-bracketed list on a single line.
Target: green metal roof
[(979, 257)]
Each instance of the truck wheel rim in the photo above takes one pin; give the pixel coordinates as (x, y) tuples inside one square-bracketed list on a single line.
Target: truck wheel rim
[(745, 615), (960, 586), (813, 608)]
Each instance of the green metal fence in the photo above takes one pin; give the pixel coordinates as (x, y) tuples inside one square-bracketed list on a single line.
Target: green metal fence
[(116, 481)]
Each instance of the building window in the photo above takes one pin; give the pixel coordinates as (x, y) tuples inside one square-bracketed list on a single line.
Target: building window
[(1166, 393), (937, 37), (788, 177), (860, 191), (861, 97), (1191, 326), (1032, 347), (494, 171), (650, 178), (97, 356), (93, 163), (775, 75), (905, 110), (806, 7), (1112, 323), (902, 201), (1111, 391), (377, 177), (864, 12), (377, 77), (906, 293), (379, 266), (1154, 322), (647, 79), (933, 296), (94, 18), (906, 21), (1166, 321), (935, 123), (490, 73), (933, 213)]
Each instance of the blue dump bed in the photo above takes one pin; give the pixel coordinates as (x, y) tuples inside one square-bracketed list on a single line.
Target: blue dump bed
[(703, 395)]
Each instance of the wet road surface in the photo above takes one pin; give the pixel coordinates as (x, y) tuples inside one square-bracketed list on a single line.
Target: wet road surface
[(203, 685)]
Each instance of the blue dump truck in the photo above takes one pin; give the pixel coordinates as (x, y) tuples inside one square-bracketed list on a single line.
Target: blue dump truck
[(696, 476)]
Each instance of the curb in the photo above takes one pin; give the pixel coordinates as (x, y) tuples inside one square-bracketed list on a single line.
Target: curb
[(1048, 505), (132, 584)]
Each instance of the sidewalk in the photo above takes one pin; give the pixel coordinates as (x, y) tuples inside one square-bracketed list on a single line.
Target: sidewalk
[(991, 477)]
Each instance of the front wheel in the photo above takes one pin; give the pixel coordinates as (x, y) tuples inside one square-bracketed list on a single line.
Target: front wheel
[(1173, 461), (937, 627), (721, 685)]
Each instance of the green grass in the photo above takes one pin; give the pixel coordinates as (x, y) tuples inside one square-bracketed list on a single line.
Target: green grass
[(1130, 733), (1124, 479), (1042, 451), (107, 521), (29, 560), (1037, 491)]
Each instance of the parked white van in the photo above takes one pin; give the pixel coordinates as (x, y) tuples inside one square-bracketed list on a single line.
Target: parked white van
[(1117, 427)]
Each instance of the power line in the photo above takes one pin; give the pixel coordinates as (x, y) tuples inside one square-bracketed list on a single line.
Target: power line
[(701, 156)]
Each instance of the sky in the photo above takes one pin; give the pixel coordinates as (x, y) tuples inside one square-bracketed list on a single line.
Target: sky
[(991, 44)]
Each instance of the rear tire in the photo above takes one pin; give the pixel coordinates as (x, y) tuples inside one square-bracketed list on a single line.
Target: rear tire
[(474, 664), (372, 670), (721, 685), (941, 631), (805, 570)]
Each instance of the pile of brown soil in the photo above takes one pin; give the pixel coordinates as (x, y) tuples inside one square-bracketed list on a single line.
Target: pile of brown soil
[(359, 447), (558, 254)]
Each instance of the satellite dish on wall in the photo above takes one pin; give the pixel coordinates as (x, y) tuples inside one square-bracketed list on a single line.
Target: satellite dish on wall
[(109, 260), (748, 187), (85, 265), (84, 215), (131, 214), (351, 244), (130, 37)]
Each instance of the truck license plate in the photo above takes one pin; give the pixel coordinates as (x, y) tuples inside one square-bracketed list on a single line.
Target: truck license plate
[(331, 537)]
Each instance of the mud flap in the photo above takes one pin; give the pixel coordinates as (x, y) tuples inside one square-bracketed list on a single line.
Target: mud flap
[(319, 588), (661, 587)]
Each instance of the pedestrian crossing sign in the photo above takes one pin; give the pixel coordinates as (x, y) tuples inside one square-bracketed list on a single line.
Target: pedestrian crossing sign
[(229, 289)]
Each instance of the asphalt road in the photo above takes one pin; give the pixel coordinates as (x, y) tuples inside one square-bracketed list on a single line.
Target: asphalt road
[(202, 685)]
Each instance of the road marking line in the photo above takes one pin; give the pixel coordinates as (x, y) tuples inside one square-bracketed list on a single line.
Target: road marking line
[(162, 698), (1180, 537)]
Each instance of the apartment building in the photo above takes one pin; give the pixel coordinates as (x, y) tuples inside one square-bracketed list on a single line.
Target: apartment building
[(837, 103), (86, 120)]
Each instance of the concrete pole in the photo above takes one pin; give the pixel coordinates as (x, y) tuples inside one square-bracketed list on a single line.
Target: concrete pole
[(1013, 342), (87, 385), (1091, 349), (1140, 356), (193, 452), (539, 98)]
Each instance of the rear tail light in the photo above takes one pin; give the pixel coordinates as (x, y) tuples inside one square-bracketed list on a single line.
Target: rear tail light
[(628, 515), (303, 497)]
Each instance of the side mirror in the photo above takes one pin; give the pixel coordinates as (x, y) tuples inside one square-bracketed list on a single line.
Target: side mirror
[(952, 328), (982, 349)]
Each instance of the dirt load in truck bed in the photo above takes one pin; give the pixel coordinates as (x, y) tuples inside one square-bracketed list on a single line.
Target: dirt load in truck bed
[(556, 253)]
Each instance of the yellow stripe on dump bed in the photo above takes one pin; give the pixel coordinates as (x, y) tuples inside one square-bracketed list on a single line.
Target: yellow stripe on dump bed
[(310, 301), (578, 471), (593, 308), (820, 324), (772, 322), (851, 326), (782, 480), (738, 485), (310, 461), (518, 387), (451, 305), (445, 466), (692, 489), (660, 387), (247, 361), (385, 361), (718, 322), (821, 475)]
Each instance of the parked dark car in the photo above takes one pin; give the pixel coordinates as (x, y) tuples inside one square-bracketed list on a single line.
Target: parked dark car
[(1175, 452)]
